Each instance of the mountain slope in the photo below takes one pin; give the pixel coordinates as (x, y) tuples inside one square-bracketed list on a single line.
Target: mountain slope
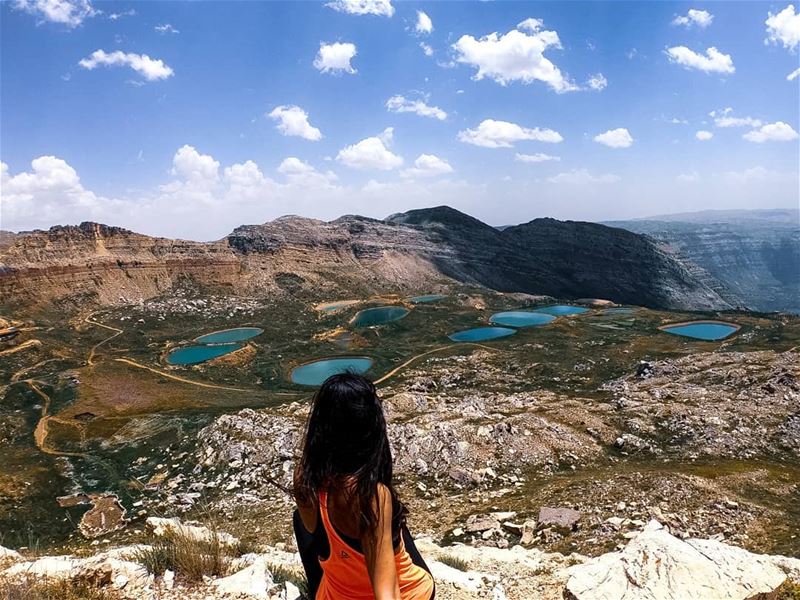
[(97, 264), (756, 254)]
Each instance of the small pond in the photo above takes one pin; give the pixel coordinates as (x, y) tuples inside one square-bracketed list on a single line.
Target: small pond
[(192, 355), (481, 334), (314, 373), (520, 318), (427, 298), (702, 330), (562, 310), (227, 336), (379, 315)]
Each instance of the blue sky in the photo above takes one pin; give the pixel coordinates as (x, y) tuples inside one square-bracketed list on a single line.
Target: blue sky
[(186, 147)]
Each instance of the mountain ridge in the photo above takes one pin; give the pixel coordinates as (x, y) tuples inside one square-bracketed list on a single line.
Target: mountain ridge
[(98, 264)]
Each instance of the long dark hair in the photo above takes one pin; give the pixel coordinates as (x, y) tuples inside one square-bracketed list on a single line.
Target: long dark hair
[(346, 448)]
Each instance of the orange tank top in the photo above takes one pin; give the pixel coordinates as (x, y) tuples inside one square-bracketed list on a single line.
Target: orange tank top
[(345, 575)]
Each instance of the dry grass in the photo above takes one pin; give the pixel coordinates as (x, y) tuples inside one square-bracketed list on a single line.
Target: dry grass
[(282, 573), (187, 556), (56, 589), (454, 561)]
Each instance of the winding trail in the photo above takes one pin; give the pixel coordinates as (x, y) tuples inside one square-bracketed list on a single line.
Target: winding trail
[(88, 319), (399, 368), (41, 431), (133, 363), (22, 346)]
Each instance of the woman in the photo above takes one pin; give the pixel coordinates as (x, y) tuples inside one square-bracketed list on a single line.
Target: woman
[(349, 523)]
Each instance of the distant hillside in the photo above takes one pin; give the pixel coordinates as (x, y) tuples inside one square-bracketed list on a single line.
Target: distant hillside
[(96, 264), (756, 254)]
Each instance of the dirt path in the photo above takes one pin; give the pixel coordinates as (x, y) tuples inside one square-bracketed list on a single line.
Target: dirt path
[(41, 431), (88, 319), (22, 346), (133, 363), (397, 369)]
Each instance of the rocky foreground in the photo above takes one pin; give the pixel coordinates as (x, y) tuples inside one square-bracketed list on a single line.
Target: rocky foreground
[(653, 565)]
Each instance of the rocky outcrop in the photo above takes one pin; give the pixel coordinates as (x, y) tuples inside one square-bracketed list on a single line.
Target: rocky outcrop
[(94, 264), (657, 566), (653, 566)]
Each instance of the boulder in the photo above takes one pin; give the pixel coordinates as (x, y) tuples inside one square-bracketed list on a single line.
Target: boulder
[(254, 581), (479, 523), (658, 566), (565, 519), (161, 527)]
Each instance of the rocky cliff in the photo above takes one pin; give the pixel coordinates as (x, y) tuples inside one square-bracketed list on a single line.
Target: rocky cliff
[(97, 264), (756, 254)]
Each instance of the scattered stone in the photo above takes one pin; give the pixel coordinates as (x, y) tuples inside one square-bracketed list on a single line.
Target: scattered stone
[(563, 519)]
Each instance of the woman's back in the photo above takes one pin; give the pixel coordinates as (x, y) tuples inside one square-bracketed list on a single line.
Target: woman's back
[(350, 524)]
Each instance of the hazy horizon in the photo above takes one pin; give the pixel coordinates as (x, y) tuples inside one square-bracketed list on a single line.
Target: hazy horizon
[(189, 119)]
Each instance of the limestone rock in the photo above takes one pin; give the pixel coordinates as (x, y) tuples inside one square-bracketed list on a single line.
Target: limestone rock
[(160, 527), (252, 582), (658, 566)]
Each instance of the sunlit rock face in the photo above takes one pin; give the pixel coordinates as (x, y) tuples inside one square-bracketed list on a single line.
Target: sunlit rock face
[(94, 264)]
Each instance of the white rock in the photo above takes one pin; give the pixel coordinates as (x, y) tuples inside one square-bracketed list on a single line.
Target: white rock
[(658, 566), (161, 527), (168, 579), (292, 593), (252, 582)]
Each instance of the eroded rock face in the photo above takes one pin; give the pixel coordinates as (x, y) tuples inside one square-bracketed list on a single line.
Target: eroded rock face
[(658, 566), (94, 264)]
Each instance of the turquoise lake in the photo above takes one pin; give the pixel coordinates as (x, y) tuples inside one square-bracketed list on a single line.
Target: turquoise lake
[(227, 336), (562, 310), (314, 373), (703, 330), (427, 298), (481, 334), (192, 355), (520, 318), (379, 316)]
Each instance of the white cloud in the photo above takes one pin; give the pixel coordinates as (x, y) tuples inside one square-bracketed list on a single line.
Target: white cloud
[(371, 153), (615, 138), (772, 132), (514, 56), (582, 177), (400, 104), (293, 120), (703, 135), (714, 61), (50, 193), (189, 164), (119, 15), (725, 118), (165, 28), (535, 158), (428, 165), (426, 49), (301, 173), (150, 68), (756, 174), (335, 58), (701, 18), (502, 134), (784, 28), (692, 177), (424, 23), (381, 8), (597, 82), (793, 75), (67, 12)]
